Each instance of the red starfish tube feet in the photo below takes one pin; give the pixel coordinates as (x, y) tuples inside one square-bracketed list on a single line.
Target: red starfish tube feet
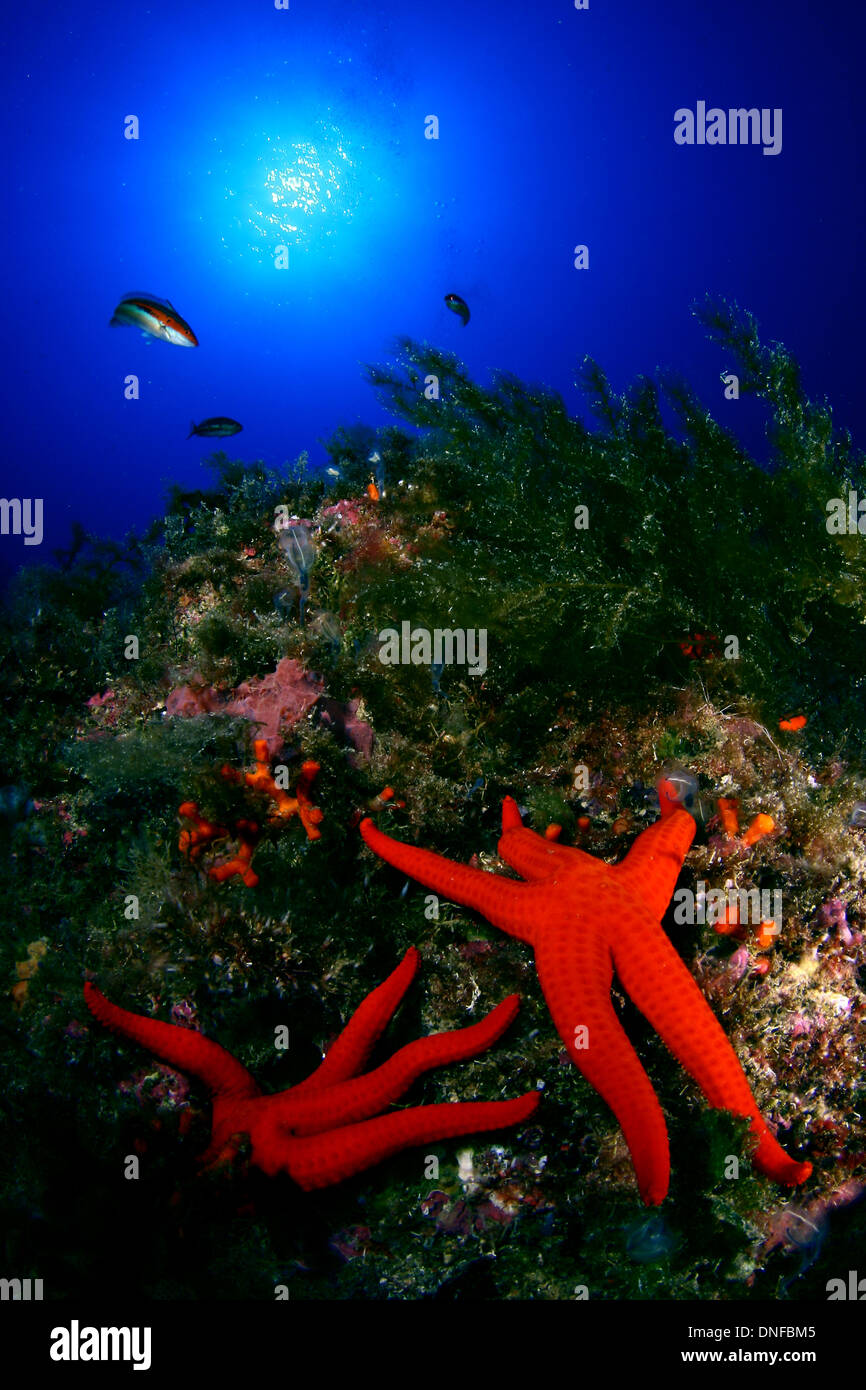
[(584, 918), (322, 1130)]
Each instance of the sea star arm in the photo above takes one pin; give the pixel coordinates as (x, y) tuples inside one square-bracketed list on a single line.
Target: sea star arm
[(529, 854), (179, 1047), (513, 907), (348, 1053), (364, 1096), (575, 972), (653, 864), (664, 991), (322, 1159)]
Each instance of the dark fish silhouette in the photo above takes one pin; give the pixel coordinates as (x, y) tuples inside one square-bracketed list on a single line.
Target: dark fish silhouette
[(156, 318), (458, 306), (217, 428)]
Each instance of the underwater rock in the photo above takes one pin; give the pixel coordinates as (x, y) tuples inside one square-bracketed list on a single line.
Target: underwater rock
[(343, 719), (284, 602), (163, 1085), (15, 804), (804, 1228), (354, 1241), (834, 919)]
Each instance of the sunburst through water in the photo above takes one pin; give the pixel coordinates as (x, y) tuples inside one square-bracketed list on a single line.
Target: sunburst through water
[(307, 189)]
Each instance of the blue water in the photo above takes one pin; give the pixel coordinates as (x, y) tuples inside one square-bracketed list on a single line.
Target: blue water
[(556, 128)]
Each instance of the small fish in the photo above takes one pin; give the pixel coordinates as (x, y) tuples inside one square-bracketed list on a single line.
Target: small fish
[(156, 317), (458, 306), (372, 491), (333, 472), (219, 427)]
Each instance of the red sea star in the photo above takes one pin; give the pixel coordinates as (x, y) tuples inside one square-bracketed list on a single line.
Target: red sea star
[(584, 917), (320, 1131)]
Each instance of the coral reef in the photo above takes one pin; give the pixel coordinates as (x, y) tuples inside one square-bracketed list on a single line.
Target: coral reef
[(131, 675)]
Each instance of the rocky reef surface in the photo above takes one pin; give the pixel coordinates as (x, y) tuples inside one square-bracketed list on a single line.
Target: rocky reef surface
[(650, 598)]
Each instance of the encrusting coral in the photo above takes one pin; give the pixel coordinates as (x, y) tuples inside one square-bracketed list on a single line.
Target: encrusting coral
[(262, 780), (247, 832), (275, 702)]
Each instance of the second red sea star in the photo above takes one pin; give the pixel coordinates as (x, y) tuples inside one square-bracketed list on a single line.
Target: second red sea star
[(322, 1130)]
